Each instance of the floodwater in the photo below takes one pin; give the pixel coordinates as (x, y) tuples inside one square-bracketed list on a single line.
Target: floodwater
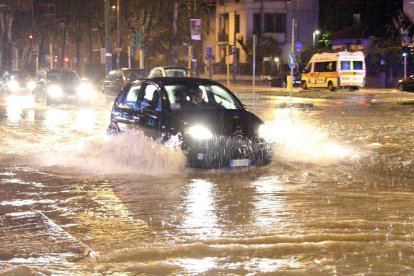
[(336, 199)]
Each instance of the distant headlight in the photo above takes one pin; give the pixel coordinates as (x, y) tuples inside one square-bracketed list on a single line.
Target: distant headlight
[(55, 91), (13, 85), (199, 132), (265, 132), (85, 91), (31, 85)]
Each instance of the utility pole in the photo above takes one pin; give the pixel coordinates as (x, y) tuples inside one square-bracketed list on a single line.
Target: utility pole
[(292, 59), (108, 46), (118, 43), (254, 62)]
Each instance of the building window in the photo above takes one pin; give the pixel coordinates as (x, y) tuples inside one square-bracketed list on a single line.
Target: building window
[(224, 27), (274, 23), (256, 23), (237, 23)]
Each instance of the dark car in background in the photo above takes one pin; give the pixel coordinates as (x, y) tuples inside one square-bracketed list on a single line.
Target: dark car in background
[(282, 80), (117, 79), (17, 83), (406, 84), (212, 126), (62, 86)]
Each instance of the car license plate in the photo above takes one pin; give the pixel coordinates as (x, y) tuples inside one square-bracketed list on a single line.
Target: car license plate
[(240, 163)]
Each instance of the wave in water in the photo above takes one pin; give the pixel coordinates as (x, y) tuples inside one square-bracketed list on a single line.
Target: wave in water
[(130, 152)]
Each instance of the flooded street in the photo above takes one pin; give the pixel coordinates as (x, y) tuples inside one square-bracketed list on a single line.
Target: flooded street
[(336, 199)]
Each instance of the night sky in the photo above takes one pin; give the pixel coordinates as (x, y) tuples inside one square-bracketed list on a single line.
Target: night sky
[(374, 14)]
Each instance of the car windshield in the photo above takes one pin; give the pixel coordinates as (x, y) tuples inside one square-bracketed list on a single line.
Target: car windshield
[(17, 75), (182, 97), (63, 76), (134, 74), (175, 72)]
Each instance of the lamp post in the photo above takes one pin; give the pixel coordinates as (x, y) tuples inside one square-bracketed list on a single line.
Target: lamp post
[(315, 33), (118, 35), (108, 46), (276, 60)]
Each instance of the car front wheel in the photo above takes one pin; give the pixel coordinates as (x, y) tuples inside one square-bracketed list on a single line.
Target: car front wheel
[(331, 87), (304, 85), (113, 129), (400, 87)]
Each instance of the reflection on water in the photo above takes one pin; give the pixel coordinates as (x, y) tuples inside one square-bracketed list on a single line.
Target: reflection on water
[(199, 204), (337, 198)]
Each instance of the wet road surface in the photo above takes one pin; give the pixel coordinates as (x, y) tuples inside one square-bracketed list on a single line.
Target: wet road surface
[(336, 199)]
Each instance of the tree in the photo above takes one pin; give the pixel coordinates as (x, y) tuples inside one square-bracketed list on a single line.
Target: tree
[(8, 11), (403, 24)]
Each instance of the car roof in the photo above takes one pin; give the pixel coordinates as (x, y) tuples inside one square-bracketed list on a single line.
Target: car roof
[(172, 67), (182, 80), (131, 69)]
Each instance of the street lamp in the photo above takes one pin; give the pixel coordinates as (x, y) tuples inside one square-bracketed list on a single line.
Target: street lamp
[(315, 33), (276, 60)]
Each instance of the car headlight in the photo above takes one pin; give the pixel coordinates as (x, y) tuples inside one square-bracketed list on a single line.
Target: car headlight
[(31, 85), (55, 91), (199, 132), (85, 91), (13, 85), (265, 131)]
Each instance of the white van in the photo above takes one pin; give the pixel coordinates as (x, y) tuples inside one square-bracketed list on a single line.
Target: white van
[(334, 70)]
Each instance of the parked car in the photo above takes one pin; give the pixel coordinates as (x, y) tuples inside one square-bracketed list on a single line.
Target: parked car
[(170, 71), (62, 86), (16, 83), (218, 132), (281, 80), (406, 84), (116, 80)]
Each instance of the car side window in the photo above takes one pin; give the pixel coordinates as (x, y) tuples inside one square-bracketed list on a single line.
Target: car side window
[(151, 97), (223, 98), (156, 73), (132, 95), (118, 76), (111, 75)]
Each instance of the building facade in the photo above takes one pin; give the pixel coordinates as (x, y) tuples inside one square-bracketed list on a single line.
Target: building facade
[(239, 20)]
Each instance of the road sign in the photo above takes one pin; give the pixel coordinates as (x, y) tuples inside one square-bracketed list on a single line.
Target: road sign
[(209, 51), (291, 60)]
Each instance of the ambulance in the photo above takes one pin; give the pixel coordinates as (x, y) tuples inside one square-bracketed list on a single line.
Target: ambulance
[(335, 70)]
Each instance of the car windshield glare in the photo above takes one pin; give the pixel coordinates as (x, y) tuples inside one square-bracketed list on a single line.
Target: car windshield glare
[(182, 97), (175, 73), (65, 76)]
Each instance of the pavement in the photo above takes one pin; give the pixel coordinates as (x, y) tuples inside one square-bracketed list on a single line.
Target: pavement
[(262, 88)]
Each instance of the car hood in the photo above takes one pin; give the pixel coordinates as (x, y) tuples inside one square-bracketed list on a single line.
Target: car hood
[(221, 122)]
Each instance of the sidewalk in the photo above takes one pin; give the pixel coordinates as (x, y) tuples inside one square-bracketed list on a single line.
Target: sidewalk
[(375, 94)]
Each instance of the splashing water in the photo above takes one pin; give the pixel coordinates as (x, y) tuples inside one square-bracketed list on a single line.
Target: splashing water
[(295, 140), (130, 152)]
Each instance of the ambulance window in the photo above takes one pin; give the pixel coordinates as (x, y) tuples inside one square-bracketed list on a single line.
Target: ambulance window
[(358, 65), (320, 66), (330, 67), (308, 68), (345, 65)]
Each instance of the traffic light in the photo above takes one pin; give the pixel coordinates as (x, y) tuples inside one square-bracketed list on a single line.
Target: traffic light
[(30, 36), (66, 59), (405, 51)]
